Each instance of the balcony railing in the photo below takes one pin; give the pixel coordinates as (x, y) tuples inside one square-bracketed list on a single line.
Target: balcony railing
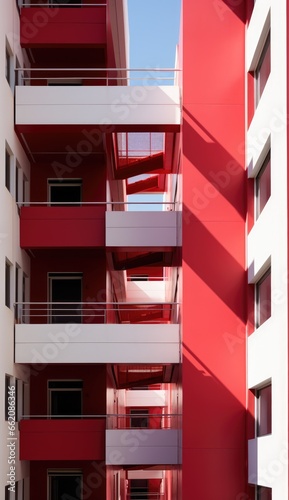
[(99, 76), (95, 312), (122, 420), (110, 205), (47, 3)]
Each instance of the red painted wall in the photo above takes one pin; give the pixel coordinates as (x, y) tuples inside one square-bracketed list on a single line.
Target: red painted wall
[(92, 263), (93, 175), (62, 439), (94, 485), (63, 27), (214, 280), (62, 227), (93, 395)]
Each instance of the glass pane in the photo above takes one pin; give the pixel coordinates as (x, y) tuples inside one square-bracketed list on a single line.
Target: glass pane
[(264, 493), (264, 411), (66, 486), (264, 299), (264, 185)]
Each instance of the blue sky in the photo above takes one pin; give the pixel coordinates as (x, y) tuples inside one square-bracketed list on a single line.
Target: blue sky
[(154, 32)]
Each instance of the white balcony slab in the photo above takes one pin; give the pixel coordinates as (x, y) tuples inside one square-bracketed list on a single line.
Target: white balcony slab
[(145, 229), (112, 105), (97, 343), (146, 291), (144, 399), (142, 447)]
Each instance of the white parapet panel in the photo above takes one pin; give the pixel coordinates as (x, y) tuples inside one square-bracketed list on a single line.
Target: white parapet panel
[(141, 229), (142, 447), (267, 463), (146, 291), (97, 343), (144, 399), (98, 105)]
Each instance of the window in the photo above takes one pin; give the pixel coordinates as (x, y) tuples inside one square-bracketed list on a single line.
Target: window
[(17, 275), (7, 493), (263, 185), (139, 418), (19, 399), (263, 411), (264, 493), (8, 64), (65, 484), (65, 296), (8, 169), (64, 3), (263, 69), (263, 299), (66, 191), (24, 189), (8, 268), (139, 488), (65, 398), (8, 385), (64, 83), (139, 277)]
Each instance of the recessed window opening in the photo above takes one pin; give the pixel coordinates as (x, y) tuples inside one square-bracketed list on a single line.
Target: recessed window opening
[(64, 82), (65, 291), (263, 69), (65, 191), (65, 398), (263, 185), (263, 299), (139, 418), (264, 410), (65, 484), (264, 493)]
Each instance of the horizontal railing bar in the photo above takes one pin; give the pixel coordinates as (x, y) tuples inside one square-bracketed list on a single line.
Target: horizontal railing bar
[(156, 70), (68, 79), (53, 6), (100, 303), (108, 415), (97, 202)]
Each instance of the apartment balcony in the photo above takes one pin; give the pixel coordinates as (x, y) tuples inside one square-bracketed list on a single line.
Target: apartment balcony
[(149, 230), (81, 24), (97, 333), (62, 439), (43, 226), (91, 97), (143, 440)]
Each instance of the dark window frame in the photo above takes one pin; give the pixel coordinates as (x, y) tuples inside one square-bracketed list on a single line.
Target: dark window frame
[(257, 72), (263, 311), (265, 165), (263, 425)]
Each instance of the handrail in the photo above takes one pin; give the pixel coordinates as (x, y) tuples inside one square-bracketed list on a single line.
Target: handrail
[(53, 6), (48, 203), (121, 75), (123, 421), (106, 416), (94, 312)]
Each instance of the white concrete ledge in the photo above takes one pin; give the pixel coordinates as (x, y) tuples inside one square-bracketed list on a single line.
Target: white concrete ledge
[(115, 105), (97, 343)]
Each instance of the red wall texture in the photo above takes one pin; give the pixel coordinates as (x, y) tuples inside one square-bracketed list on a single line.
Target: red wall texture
[(214, 279)]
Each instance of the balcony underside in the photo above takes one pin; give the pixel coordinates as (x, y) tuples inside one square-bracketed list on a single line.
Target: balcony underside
[(85, 343)]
